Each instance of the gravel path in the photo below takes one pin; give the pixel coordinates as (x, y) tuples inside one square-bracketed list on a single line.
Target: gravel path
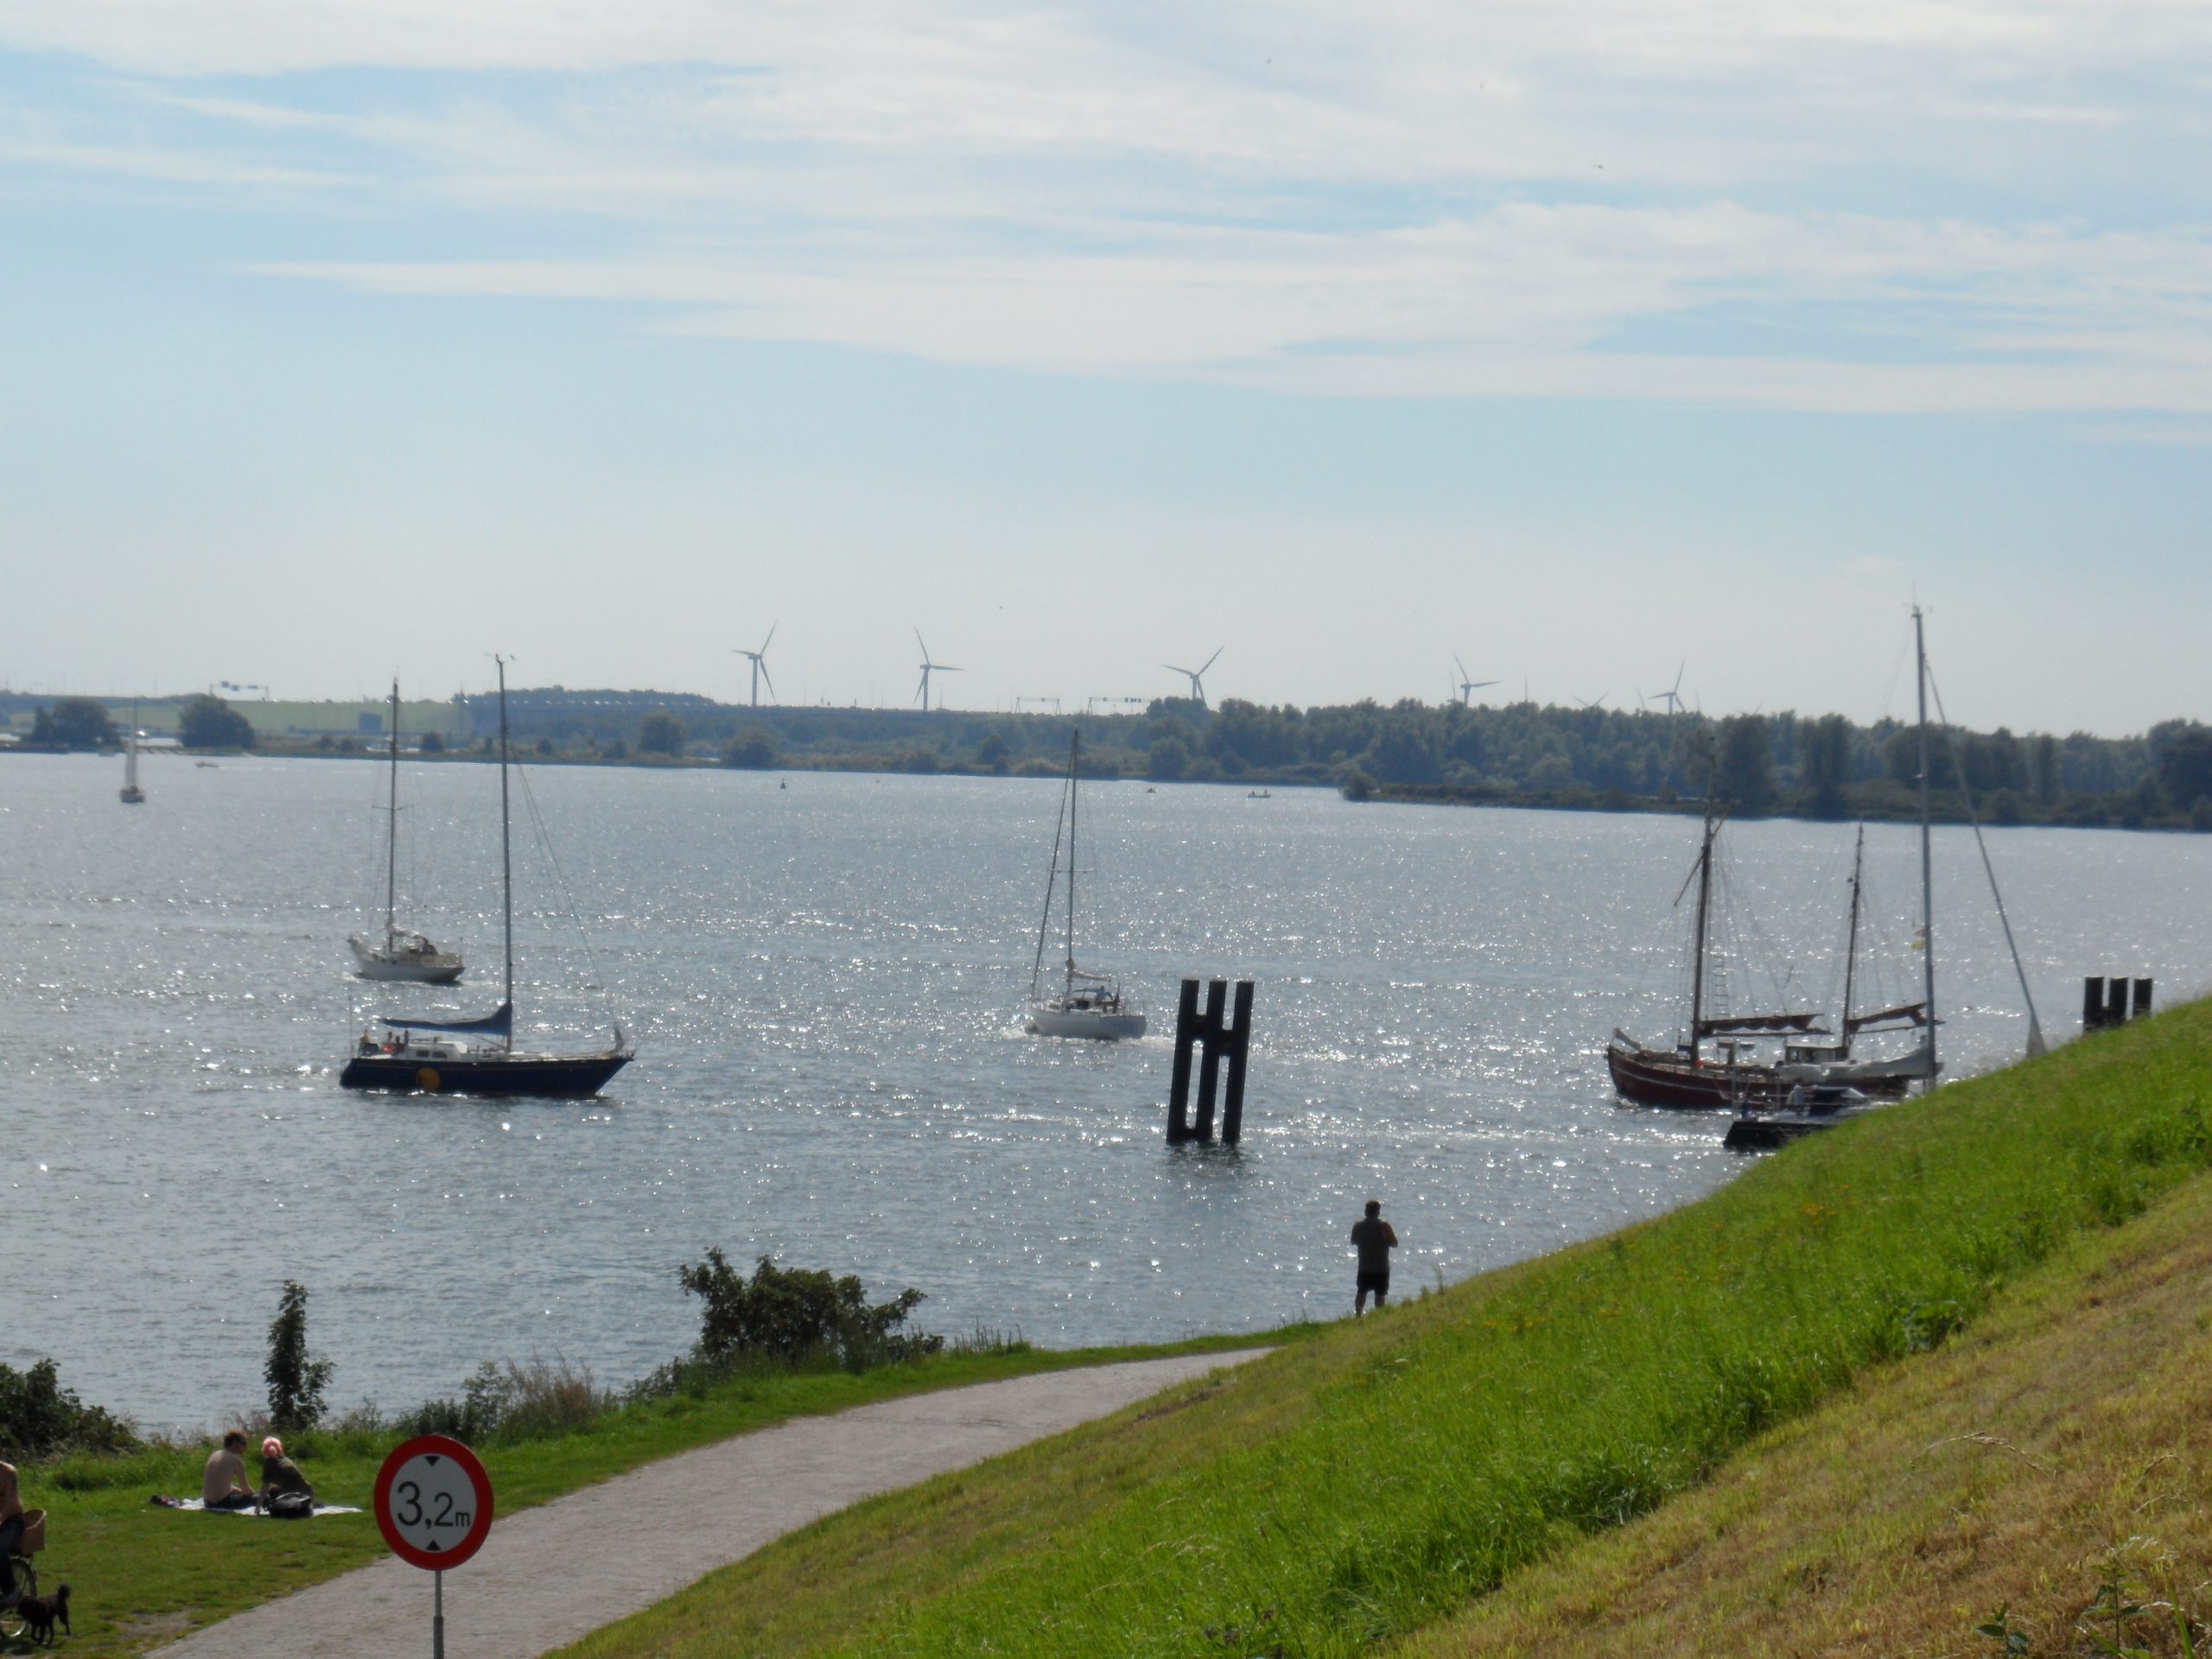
[(549, 1575)]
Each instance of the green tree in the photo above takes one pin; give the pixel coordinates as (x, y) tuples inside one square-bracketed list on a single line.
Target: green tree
[(2185, 766), (1746, 774), (660, 733), (209, 722), (1824, 749), (992, 752), (74, 723), (751, 750), (433, 744), (295, 1378)]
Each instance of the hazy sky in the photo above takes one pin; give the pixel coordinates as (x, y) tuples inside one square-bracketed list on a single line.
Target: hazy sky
[(365, 335)]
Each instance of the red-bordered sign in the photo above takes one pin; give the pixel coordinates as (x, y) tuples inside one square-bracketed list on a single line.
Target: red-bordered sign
[(434, 1501)]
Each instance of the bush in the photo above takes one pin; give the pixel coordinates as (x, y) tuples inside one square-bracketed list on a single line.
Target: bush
[(295, 1378), (751, 750), (795, 1315), (540, 1401), (433, 744), (39, 1417)]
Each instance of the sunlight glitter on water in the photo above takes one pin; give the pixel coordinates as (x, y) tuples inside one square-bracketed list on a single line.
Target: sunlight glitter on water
[(825, 985)]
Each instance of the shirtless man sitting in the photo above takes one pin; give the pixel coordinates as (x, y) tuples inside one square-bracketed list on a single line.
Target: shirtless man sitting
[(223, 1487)]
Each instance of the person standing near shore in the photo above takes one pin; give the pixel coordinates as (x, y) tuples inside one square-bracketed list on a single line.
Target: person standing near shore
[(1372, 1237)]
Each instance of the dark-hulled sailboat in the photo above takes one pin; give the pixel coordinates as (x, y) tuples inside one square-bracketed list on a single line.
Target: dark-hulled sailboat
[(478, 1057)]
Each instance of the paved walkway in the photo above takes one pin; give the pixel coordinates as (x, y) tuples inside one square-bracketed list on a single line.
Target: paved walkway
[(549, 1575)]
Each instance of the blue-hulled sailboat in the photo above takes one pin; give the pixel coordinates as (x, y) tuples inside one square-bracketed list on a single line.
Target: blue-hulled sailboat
[(478, 1057)]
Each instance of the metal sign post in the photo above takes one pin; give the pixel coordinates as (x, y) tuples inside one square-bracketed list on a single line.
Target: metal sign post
[(434, 1507)]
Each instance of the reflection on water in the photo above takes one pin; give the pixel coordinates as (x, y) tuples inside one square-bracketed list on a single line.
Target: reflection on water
[(825, 983)]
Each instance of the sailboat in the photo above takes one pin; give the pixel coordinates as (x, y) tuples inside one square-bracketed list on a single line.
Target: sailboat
[(132, 795), (1085, 1004), (1812, 1071), (402, 953), (478, 1057)]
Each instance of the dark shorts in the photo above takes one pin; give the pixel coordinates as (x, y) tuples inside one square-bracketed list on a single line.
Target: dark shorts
[(1378, 1283), (235, 1501)]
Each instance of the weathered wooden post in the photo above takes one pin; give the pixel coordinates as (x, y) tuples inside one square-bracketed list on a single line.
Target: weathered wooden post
[(1220, 1040), (1232, 1101), (2092, 1003), (2142, 998), (1179, 1086), (2116, 1000)]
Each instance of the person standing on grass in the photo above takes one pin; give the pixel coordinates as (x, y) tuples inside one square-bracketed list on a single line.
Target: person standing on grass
[(1372, 1237)]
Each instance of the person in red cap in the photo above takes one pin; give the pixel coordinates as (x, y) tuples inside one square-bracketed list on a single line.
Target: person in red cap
[(279, 1474)]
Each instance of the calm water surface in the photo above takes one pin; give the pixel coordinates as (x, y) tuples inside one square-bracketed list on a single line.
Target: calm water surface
[(824, 982)]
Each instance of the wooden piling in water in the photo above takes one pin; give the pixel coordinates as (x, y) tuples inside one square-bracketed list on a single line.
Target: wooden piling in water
[(1220, 1040)]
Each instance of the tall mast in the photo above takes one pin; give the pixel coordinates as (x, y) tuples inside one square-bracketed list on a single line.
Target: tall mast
[(391, 833), (1851, 941), (1927, 864), (1075, 762), (506, 853), (1704, 907)]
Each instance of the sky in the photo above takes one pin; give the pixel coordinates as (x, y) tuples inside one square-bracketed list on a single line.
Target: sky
[(1590, 345)]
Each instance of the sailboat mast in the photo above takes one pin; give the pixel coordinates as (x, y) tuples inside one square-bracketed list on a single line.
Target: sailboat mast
[(1697, 955), (1851, 939), (506, 852), (1927, 862), (391, 833), (1074, 767)]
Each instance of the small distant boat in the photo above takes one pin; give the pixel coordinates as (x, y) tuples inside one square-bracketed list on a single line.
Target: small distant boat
[(478, 1057), (208, 766), (1087, 1004), (1259, 795), (402, 953), (132, 795)]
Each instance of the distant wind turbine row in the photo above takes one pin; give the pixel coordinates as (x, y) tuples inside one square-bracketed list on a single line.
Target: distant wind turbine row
[(1462, 687)]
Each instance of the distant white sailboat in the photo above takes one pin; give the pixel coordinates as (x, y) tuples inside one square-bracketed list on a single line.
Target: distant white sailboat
[(132, 795), (1086, 1004), (402, 953)]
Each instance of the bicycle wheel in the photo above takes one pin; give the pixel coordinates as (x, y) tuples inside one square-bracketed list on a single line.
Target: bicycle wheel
[(11, 1620)]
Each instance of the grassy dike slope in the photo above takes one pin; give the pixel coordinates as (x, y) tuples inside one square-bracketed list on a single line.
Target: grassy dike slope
[(1376, 1481)]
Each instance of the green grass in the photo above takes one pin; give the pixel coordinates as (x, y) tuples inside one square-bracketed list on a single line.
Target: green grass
[(142, 1575), (1364, 1484)]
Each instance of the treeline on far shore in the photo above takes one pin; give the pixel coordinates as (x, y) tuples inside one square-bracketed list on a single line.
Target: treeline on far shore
[(1521, 754)]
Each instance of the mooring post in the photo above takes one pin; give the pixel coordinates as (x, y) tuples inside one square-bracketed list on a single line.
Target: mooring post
[(1232, 1100), (1179, 1086), (2142, 998), (1210, 1067), (2116, 1001), (2092, 1003)]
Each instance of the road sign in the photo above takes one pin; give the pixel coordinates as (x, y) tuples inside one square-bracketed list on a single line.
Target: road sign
[(433, 1502)]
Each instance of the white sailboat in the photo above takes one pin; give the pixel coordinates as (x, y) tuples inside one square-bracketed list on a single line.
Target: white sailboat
[(402, 953), (132, 795), (1086, 1004)]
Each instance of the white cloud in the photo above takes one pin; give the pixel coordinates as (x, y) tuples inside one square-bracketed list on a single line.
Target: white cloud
[(1407, 198)]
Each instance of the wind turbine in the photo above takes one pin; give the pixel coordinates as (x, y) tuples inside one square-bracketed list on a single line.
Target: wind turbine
[(1593, 702), (760, 663), (1198, 675), (1466, 687), (928, 669), (1672, 696)]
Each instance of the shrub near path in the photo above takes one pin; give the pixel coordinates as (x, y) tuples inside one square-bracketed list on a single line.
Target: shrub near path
[(143, 1576), (1366, 1484)]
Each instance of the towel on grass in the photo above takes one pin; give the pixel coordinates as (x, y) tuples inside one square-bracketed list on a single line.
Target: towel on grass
[(195, 1504)]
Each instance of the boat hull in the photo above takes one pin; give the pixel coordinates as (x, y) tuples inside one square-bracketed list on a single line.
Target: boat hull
[(1098, 1024), (484, 1074), (428, 968), (1653, 1078)]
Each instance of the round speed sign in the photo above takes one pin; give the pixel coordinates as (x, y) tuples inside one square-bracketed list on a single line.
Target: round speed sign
[(433, 1502)]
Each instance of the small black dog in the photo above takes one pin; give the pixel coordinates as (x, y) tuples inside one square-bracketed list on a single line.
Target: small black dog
[(41, 1614)]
